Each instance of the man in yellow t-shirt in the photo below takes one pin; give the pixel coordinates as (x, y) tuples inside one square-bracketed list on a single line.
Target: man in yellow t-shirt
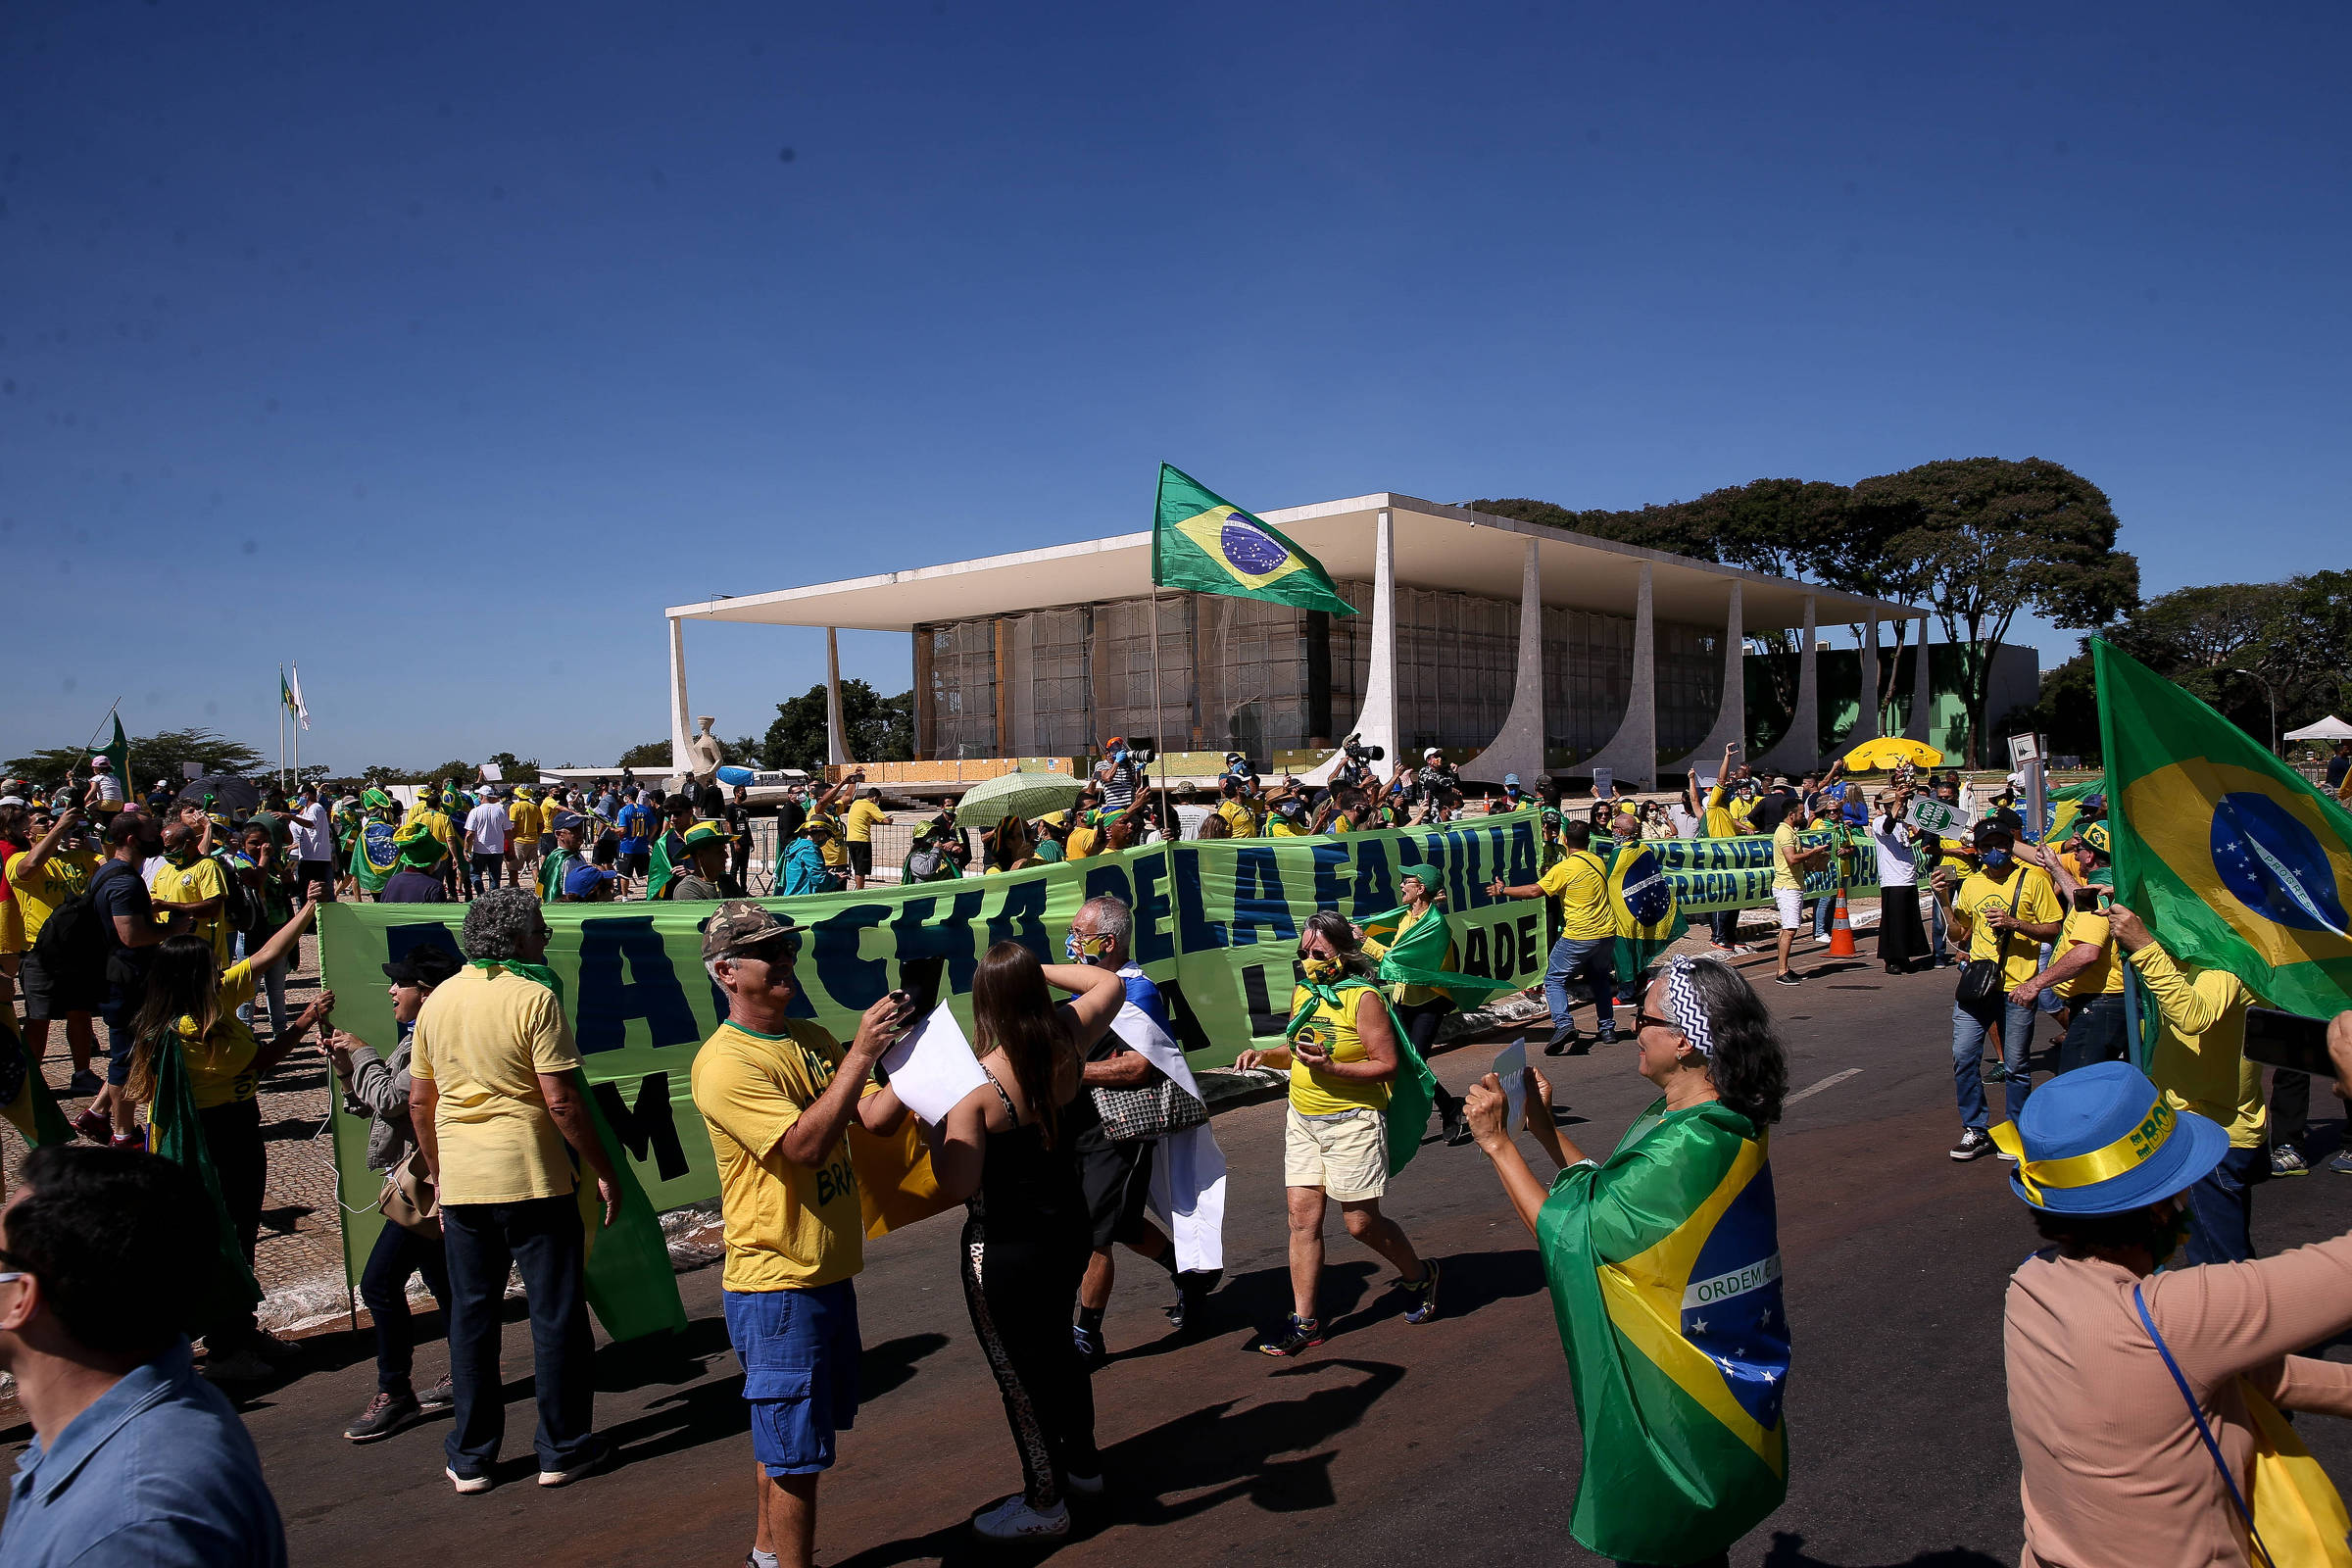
[(526, 822), (495, 1096), (2001, 915), (56, 868), (858, 834), (194, 885), (1586, 950), (1234, 806), (1791, 862), (2084, 968), (778, 1095)]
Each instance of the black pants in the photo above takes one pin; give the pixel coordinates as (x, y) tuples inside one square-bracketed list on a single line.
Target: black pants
[(319, 875), (2291, 1106), (1902, 941), (1022, 1296), (541, 1237), (1421, 1020), (232, 1136), (385, 1287)]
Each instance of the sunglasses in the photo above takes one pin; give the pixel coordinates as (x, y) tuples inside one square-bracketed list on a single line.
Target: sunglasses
[(1643, 1020)]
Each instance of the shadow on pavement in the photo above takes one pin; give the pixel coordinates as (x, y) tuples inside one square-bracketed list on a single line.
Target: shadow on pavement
[(1789, 1552), (1216, 1455)]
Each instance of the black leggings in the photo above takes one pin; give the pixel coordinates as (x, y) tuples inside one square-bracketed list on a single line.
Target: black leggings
[(385, 1287), (232, 1136), (1421, 1021), (1022, 1294)]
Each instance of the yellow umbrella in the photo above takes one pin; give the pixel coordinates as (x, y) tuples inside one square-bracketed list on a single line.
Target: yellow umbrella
[(1887, 751)]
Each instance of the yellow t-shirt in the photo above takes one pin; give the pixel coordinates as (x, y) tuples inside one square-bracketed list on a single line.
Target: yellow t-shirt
[(482, 1039), (1082, 841), (64, 875), (221, 1063), (2105, 976), (1582, 885), (1784, 845), (788, 1227), (833, 850), (1279, 826), (1239, 817), (1314, 1093), (1720, 823), (2036, 904), (526, 816), (194, 884), (2200, 1058), (858, 826)]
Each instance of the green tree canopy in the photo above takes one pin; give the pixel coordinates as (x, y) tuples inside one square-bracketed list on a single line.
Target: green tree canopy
[(881, 729), (152, 757)]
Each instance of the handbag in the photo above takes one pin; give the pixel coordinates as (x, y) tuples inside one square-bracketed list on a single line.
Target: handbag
[(2294, 1505), (410, 1200), (1149, 1110), (1980, 986)]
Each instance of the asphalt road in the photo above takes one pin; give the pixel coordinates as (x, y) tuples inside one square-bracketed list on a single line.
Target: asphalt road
[(1394, 1443)]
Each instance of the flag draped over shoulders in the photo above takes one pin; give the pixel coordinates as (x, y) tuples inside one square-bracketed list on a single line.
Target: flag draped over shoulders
[(25, 1096), (1418, 957), (1665, 1273), (178, 1134)]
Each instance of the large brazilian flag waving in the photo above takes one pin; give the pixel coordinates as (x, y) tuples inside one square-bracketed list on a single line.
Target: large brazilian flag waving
[(2235, 862), (1203, 542), (1664, 1263)]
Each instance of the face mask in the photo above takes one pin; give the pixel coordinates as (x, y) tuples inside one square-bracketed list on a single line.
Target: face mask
[(1320, 969), (1996, 859), (1094, 950)]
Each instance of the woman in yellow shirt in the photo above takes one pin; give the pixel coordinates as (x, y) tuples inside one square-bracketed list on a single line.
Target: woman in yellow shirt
[(190, 1051), (1423, 1008), (1341, 1049)]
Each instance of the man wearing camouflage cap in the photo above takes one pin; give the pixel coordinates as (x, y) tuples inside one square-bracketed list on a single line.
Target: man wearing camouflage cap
[(778, 1095)]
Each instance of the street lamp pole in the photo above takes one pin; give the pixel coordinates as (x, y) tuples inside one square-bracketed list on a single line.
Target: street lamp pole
[(2267, 691)]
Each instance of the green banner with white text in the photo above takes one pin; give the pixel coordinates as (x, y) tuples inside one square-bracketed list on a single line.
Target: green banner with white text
[(1216, 926)]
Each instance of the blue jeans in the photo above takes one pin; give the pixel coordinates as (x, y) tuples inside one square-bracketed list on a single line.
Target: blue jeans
[(541, 1237), (1726, 926), (1593, 962), (385, 1287), (1823, 909), (1936, 942), (1968, 1053), (2221, 1208), (2095, 1033)]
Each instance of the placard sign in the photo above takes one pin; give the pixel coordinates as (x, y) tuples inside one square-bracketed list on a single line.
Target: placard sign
[(1940, 817)]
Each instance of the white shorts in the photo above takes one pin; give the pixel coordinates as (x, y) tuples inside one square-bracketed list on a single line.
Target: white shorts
[(1347, 1154), (1792, 903)]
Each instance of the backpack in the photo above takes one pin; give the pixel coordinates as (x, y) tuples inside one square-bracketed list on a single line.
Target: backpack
[(71, 946), (241, 908)]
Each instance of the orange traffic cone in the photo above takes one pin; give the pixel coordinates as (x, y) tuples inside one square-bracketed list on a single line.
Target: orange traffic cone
[(1841, 929)]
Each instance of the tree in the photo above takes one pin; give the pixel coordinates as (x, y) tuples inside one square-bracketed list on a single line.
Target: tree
[(152, 757), (1991, 537), (652, 756), (881, 729), (2294, 637), (2067, 715), (458, 769), (385, 773), (515, 768)]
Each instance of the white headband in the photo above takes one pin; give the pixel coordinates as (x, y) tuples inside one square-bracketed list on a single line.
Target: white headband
[(1689, 1014)]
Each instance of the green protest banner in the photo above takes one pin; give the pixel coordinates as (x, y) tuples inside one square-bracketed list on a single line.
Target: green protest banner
[(1216, 925)]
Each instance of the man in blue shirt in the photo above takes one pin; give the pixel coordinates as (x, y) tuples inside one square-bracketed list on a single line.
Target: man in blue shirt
[(636, 824), (136, 1460)]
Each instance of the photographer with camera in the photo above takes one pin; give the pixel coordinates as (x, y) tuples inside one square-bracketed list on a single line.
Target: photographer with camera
[(1120, 773), (1437, 777), (1355, 766)]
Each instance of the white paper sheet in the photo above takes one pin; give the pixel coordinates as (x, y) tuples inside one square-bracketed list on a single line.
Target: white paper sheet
[(934, 1067), (1510, 1065)]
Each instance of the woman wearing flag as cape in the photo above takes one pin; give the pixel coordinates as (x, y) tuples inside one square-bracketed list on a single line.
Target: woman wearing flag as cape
[(1420, 965), (1665, 1272)]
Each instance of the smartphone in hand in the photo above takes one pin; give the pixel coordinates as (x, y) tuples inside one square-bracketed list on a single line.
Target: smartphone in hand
[(918, 989)]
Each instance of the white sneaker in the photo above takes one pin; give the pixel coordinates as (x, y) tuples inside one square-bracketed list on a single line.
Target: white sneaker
[(598, 1456), (1015, 1520), (467, 1485)]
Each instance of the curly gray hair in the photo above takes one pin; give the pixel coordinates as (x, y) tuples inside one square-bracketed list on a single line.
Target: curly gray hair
[(499, 923)]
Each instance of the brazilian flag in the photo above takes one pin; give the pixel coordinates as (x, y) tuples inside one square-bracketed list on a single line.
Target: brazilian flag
[(1423, 956), (1641, 898), (1664, 1264), (25, 1096), (1203, 542), (177, 1133), (2235, 862), (2066, 809), (374, 854)]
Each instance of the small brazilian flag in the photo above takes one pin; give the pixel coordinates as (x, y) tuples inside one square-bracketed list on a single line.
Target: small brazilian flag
[(2235, 862), (1207, 544), (1641, 898)]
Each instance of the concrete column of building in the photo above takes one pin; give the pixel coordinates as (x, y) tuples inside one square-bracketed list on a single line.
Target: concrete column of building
[(1632, 753), (681, 728), (1730, 716), (1518, 748), (1868, 725), (1800, 750), (1376, 720), (837, 733), (1922, 689)]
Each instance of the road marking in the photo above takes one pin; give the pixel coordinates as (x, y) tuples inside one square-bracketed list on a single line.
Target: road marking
[(1831, 1081)]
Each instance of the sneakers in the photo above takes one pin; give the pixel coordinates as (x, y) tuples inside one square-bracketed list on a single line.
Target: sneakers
[(1559, 1043), (440, 1396), (1193, 1286), (1608, 1037), (599, 1455), (84, 1082), (2287, 1160), (1424, 1293), (1973, 1144), (1298, 1335), (1788, 977), (1015, 1520), (467, 1486), (1450, 1124), (96, 1128), (1092, 1352), (134, 1140), (385, 1414)]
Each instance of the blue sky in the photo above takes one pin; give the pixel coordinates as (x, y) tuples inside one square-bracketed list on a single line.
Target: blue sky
[(440, 347)]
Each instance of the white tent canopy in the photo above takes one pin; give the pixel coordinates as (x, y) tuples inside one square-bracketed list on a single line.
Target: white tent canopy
[(2330, 728)]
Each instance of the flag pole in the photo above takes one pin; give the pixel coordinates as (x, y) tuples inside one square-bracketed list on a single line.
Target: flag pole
[(1159, 741), (281, 726)]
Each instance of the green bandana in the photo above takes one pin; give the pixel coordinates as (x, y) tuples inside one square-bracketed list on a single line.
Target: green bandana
[(538, 972)]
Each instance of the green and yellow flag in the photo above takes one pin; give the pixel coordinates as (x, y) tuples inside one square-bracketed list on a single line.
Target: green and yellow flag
[(1664, 1264), (374, 854), (1424, 956), (1206, 543), (2233, 859), (1641, 898), (25, 1096)]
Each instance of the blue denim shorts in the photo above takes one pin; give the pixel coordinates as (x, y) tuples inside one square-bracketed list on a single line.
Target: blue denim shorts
[(798, 1350)]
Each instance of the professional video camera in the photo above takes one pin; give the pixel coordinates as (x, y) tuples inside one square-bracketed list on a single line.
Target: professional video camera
[(1358, 751)]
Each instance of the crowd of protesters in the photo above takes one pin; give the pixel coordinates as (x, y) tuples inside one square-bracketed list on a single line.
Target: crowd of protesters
[(172, 923)]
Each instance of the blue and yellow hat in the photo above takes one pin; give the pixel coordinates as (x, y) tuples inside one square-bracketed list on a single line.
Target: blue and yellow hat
[(2102, 1139)]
